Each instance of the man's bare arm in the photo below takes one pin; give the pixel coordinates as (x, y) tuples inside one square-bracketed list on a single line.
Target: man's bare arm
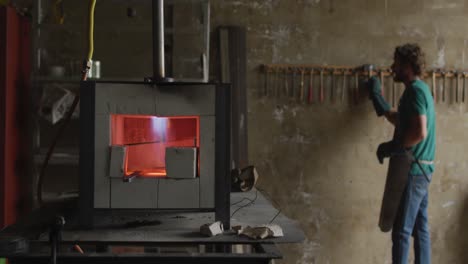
[(416, 132), (392, 116)]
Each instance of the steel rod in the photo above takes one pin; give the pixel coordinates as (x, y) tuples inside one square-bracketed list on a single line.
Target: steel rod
[(159, 71)]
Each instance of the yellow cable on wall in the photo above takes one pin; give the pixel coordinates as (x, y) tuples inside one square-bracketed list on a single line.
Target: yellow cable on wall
[(91, 30)]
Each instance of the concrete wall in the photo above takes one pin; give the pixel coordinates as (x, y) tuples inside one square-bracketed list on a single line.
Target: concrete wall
[(318, 161)]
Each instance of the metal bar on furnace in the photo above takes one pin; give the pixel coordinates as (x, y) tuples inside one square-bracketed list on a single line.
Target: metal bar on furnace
[(159, 71)]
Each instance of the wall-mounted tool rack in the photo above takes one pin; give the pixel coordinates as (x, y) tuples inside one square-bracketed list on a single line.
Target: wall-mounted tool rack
[(309, 83)]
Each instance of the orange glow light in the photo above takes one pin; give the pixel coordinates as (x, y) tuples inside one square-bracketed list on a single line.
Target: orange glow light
[(147, 137)]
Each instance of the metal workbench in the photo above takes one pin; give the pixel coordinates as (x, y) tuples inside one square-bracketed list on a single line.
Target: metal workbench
[(163, 237)]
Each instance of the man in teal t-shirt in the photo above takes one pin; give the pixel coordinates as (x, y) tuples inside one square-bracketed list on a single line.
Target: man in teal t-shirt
[(414, 122), (417, 101)]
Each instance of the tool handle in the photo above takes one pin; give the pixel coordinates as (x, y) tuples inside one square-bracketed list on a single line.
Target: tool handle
[(434, 88), (293, 84), (343, 89), (382, 79), (443, 86), (310, 95), (356, 87), (277, 83), (457, 86), (332, 88), (321, 86), (463, 92), (302, 87)]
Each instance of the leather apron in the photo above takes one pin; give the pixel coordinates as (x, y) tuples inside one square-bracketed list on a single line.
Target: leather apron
[(397, 177)]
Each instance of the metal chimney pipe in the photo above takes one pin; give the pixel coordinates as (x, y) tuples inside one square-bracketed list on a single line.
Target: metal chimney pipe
[(159, 71)]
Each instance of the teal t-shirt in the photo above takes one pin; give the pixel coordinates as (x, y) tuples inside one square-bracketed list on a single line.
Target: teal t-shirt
[(417, 100)]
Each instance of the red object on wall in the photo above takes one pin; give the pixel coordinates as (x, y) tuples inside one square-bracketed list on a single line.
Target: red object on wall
[(15, 71)]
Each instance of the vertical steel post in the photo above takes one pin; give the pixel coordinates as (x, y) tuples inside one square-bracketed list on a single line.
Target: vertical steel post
[(159, 71)]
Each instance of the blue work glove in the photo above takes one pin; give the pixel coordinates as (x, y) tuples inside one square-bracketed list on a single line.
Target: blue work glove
[(375, 94), (386, 150)]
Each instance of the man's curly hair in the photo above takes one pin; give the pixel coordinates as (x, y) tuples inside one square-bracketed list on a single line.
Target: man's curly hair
[(413, 55)]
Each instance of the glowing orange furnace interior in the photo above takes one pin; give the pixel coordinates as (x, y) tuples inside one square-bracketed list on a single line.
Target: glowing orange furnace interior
[(147, 137)]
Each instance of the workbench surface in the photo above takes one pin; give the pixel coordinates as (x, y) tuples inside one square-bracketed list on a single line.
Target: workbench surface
[(168, 227)]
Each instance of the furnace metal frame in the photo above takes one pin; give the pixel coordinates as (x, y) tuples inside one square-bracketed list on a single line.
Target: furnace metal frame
[(211, 102)]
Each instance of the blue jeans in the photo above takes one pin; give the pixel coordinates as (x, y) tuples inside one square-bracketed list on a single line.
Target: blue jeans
[(412, 220)]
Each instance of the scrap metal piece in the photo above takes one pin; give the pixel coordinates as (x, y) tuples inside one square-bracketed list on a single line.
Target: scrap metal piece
[(131, 177), (212, 229), (260, 232)]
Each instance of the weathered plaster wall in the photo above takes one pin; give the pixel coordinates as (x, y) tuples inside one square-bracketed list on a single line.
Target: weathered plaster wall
[(318, 161)]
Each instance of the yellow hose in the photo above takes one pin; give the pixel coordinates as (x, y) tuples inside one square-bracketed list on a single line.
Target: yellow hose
[(91, 30)]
